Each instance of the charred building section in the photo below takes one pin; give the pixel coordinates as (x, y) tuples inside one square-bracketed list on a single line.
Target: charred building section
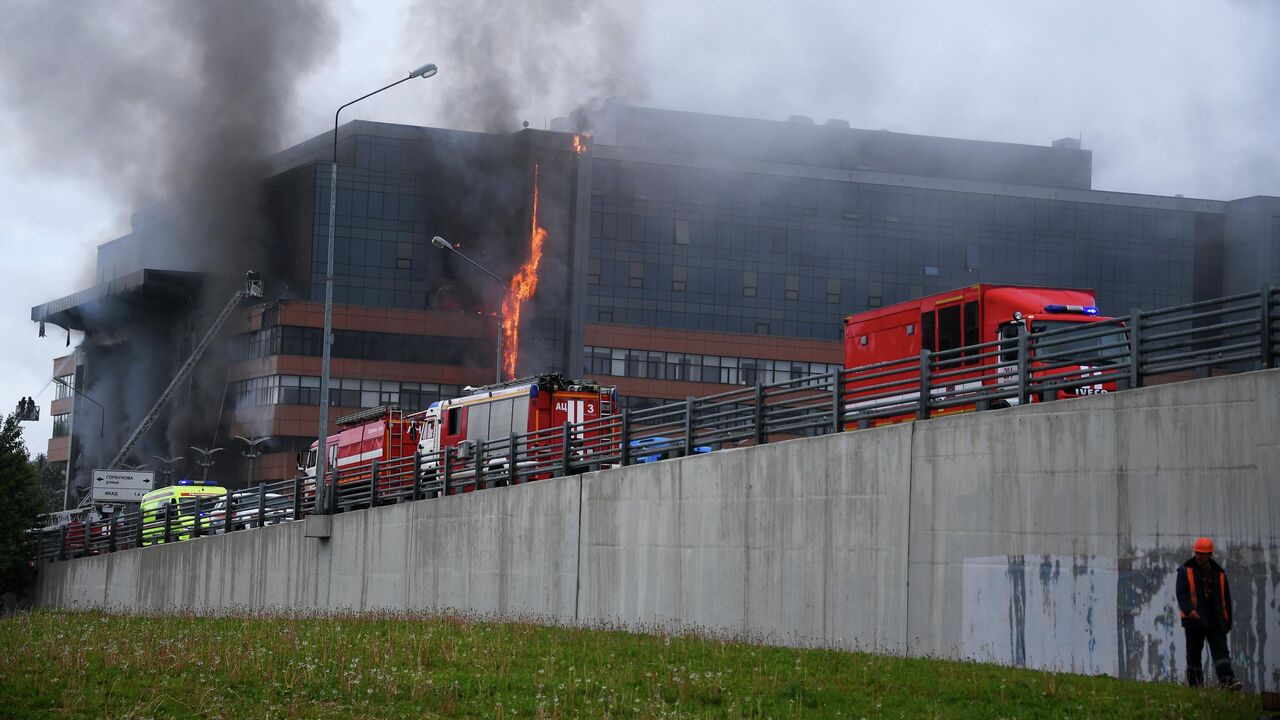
[(136, 331)]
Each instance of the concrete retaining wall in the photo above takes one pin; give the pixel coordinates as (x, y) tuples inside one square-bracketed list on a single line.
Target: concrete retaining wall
[(1042, 536)]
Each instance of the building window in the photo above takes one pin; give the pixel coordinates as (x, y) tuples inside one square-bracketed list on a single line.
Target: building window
[(636, 275), (833, 291), (682, 232), (64, 384), (679, 278), (748, 284), (931, 270), (762, 327), (61, 425), (593, 271), (792, 289), (875, 294), (779, 241)]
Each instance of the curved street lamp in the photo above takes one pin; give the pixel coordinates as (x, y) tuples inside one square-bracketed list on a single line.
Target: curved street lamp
[(326, 343), (252, 453)]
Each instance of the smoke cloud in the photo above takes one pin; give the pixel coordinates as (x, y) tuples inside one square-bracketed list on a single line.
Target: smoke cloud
[(173, 107), (503, 59)]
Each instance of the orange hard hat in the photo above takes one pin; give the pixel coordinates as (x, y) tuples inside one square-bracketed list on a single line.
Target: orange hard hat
[(1203, 545)]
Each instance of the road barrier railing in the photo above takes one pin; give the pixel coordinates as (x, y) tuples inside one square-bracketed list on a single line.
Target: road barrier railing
[(1231, 334)]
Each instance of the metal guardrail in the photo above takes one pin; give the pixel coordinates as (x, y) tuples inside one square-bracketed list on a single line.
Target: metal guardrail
[(1230, 334)]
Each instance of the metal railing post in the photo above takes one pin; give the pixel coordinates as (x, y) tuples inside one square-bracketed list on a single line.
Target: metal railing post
[(417, 476), (1024, 366), (373, 482), (759, 418), (138, 532), (297, 497), (926, 380), (111, 539), (62, 542), (837, 401), (478, 482), (624, 438), (446, 459), (688, 427), (1135, 349), (262, 505), (566, 446), (512, 445), (168, 521), (333, 490), (196, 521), (1266, 352)]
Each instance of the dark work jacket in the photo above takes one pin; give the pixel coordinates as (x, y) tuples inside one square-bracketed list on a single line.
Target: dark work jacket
[(1207, 592)]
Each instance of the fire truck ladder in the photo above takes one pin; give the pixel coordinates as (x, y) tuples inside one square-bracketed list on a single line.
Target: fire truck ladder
[(253, 289)]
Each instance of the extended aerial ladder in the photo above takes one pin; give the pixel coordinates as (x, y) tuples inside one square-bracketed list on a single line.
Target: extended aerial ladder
[(252, 289)]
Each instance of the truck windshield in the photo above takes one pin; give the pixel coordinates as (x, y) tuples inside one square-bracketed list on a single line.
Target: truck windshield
[(1106, 348)]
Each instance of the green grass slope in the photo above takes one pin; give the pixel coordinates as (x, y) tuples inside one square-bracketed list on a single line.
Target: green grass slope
[(96, 665)]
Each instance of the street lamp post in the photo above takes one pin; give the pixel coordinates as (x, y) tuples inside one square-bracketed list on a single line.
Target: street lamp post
[(166, 475), (253, 453), (446, 245), (322, 456), (205, 461)]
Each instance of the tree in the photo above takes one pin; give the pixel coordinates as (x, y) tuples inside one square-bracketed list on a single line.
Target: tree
[(53, 476), (21, 501)]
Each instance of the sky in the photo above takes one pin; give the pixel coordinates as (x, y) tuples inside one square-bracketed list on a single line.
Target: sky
[(1171, 97)]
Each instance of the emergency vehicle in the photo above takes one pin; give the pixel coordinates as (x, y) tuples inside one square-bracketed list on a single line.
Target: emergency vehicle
[(381, 433), (970, 316), (179, 503), (519, 407), (487, 413)]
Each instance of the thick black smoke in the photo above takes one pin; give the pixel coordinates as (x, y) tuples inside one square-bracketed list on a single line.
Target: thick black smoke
[(499, 59), (173, 106)]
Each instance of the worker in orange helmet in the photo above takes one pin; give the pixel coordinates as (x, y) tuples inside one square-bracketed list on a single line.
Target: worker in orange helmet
[(1204, 599)]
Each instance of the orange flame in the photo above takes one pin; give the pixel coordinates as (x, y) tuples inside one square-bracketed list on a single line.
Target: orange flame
[(522, 287), (580, 142)]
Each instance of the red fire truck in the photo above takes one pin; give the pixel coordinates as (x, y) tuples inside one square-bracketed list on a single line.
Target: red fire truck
[(520, 407), (486, 413), (970, 316), (381, 433)]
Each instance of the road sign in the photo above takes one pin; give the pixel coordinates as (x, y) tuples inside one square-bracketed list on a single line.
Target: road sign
[(117, 495), (121, 485)]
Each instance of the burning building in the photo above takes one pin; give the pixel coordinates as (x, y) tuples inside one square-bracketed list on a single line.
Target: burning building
[(671, 254)]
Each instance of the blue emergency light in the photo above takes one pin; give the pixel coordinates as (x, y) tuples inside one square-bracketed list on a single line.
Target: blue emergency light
[(1079, 309)]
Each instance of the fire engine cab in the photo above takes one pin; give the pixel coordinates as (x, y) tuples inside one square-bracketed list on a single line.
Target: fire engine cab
[(973, 315)]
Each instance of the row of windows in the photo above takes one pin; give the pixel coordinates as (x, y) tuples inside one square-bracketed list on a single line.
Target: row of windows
[(63, 385), (61, 425), (624, 362), (764, 194), (362, 345), (343, 392)]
